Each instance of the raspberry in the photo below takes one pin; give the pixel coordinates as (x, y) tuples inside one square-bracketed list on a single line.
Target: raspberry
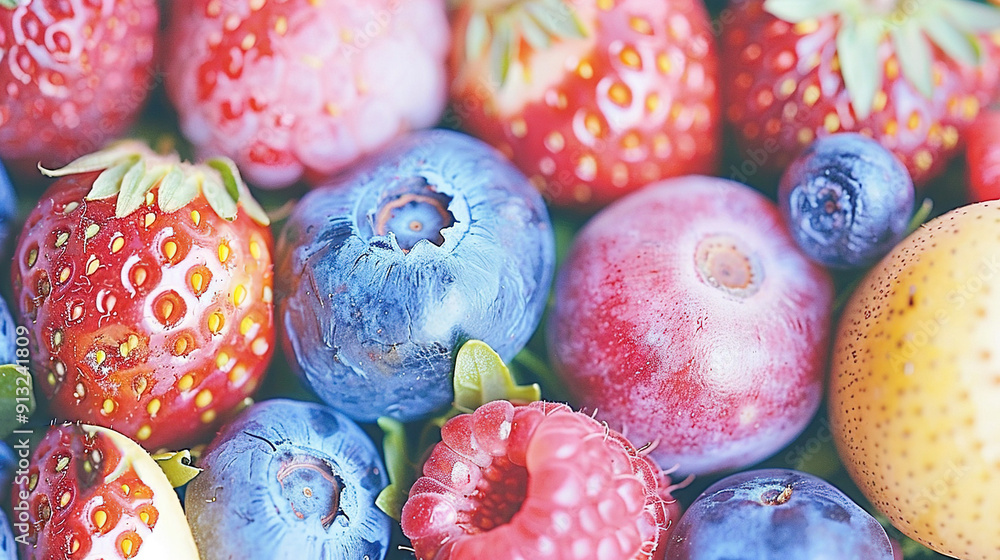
[(538, 481)]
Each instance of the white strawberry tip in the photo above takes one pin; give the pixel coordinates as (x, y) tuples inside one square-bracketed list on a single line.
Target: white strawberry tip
[(130, 170), (170, 537)]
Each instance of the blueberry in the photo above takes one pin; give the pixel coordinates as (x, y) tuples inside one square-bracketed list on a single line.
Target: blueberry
[(847, 200), (385, 272), (8, 464), (776, 514), (8, 547), (8, 335), (289, 479), (8, 207)]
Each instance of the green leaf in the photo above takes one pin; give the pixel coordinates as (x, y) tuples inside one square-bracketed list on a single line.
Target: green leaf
[(109, 182), (218, 197), (970, 16), (558, 18), (481, 377), (857, 45), (954, 43), (176, 190), (177, 466), (533, 32), (17, 400), (131, 196), (500, 51), (914, 57), (795, 11), (96, 161), (230, 175), (920, 216), (477, 35), (8, 3), (401, 471)]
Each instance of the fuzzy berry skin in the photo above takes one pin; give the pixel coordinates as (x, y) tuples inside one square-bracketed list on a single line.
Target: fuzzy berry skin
[(90, 492), (537, 481), (592, 119), (983, 157), (776, 514), (786, 89), (686, 315), (847, 200), (155, 324), (289, 480), (304, 88), (74, 76), (385, 272)]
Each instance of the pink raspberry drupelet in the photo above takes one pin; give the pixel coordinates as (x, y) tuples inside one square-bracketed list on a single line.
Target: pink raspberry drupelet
[(538, 481)]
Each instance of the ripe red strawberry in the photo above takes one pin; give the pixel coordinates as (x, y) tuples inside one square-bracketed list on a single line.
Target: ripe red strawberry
[(73, 75), (538, 481), (90, 492), (591, 99), (983, 157), (910, 74), (301, 87), (146, 293)]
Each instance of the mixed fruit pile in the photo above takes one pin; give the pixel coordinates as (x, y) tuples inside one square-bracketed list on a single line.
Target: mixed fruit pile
[(568, 279)]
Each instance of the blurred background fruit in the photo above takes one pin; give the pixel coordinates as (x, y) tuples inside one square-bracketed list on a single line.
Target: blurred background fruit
[(591, 99)]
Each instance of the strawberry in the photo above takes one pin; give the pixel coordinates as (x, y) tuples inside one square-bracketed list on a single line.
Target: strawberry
[(145, 284), (910, 74), (536, 481), (300, 87), (74, 75), (591, 99), (983, 157), (90, 492)]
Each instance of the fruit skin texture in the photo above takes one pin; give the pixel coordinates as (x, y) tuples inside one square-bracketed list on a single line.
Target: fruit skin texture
[(787, 89), (8, 548), (75, 75), (592, 119), (519, 482), (983, 157), (301, 87), (373, 328), (289, 480), (122, 338), (8, 335), (914, 392), (93, 493), (8, 208), (847, 200), (775, 514), (686, 316)]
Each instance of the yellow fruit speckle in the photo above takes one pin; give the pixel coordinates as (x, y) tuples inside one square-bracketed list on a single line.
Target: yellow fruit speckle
[(914, 399)]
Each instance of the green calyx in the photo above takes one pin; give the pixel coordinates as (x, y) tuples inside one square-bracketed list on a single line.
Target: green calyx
[(913, 26), (129, 170), (10, 3), (177, 466), (480, 377), (500, 28)]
